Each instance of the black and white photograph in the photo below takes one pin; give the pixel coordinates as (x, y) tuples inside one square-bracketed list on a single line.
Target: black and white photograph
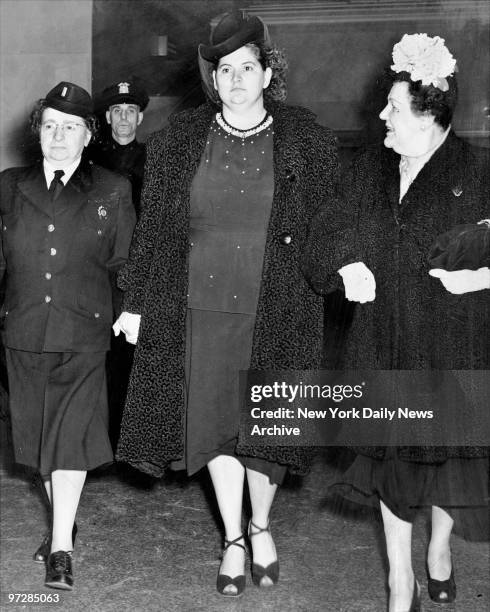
[(285, 411)]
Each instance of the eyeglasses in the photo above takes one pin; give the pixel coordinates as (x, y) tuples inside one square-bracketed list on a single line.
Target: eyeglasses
[(70, 127)]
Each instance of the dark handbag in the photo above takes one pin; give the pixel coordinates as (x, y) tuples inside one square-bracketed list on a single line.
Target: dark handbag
[(465, 247)]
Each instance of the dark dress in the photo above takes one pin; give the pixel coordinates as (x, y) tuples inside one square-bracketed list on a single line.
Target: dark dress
[(230, 204), (414, 322)]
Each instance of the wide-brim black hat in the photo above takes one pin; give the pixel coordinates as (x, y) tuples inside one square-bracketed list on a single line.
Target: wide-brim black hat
[(70, 98), (126, 92), (232, 32)]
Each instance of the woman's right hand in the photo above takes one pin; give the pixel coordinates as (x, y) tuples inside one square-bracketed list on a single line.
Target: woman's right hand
[(129, 324), (359, 282)]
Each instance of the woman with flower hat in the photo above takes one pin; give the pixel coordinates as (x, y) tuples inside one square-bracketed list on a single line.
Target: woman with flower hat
[(418, 308), (214, 278)]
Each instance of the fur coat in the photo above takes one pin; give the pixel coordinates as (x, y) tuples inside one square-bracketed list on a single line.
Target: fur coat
[(289, 320), (414, 322)]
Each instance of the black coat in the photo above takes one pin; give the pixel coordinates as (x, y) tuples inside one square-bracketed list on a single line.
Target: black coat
[(414, 322), (127, 160), (58, 257), (289, 322)]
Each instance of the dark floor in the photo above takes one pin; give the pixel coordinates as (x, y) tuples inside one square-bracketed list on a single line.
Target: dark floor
[(154, 546)]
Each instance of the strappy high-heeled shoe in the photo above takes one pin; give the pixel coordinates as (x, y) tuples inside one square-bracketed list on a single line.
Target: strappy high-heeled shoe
[(259, 572), (223, 580), (441, 591)]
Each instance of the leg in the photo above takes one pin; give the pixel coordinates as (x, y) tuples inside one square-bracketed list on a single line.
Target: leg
[(47, 488), (67, 487), (227, 475), (441, 583), (262, 494), (439, 553), (398, 535)]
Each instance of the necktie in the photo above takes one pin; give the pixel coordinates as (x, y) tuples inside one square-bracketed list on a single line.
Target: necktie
[(56, 184)]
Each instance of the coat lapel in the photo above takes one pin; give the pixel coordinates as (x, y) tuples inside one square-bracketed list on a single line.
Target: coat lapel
[(186, 144), (74, 193), (34, 188), (442, 174), (287, 160)]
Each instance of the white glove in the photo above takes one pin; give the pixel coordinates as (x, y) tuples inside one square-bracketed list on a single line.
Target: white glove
[(359, 282), (129, 324), (463, 281)]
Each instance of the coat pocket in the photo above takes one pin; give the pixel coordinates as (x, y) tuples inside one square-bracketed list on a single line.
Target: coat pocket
[(96, 309)]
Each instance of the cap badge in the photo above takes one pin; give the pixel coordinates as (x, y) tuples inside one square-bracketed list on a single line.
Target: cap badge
[(64, 91), (123, 88)]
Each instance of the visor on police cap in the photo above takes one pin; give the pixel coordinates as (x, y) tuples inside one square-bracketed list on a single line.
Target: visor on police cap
[(125, 92)]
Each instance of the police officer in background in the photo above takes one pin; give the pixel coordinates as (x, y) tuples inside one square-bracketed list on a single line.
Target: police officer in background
[(123, 104), (66, 230)]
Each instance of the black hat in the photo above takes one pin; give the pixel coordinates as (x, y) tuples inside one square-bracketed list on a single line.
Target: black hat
[(464, 247), (125, 92), (70, 98), (232, 32)]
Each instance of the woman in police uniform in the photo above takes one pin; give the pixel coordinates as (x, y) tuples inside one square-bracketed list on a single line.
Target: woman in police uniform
[(66, 230)]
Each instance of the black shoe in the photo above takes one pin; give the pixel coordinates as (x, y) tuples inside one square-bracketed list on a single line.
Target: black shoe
[(258, 571), (42, 553), (59, 574), (442, 591), (223, 581)]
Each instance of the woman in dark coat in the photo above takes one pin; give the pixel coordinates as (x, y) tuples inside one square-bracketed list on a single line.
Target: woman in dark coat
[(214, 277), (66, 229), (397, 200)]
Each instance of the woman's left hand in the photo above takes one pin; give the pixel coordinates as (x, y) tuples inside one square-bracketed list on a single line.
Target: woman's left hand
[(463, 281)]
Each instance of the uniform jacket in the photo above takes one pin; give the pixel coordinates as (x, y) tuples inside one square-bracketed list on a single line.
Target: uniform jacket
[(414, 322), (58, 257), (289, 321), (127, 160)]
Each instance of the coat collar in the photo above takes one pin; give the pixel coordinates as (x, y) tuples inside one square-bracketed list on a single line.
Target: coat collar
[(34, 188), (446, 166), (186, 140)]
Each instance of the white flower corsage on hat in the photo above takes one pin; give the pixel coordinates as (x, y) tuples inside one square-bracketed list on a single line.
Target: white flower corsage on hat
[(426, 59)]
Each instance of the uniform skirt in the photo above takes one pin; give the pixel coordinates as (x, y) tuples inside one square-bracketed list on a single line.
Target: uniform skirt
[(58, 406), (218, 346)]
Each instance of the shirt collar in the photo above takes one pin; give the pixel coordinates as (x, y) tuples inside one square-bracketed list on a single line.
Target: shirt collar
[(69, 170)]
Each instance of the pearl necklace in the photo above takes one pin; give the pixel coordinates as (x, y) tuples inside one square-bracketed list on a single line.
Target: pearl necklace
[(263, 125)]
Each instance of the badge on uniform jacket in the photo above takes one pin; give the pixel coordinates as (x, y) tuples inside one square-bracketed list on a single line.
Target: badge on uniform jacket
[(102, 210)]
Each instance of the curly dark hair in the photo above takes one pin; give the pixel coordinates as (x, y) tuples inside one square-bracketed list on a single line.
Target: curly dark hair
[(429, 99), (36, 117), (268, 56), (275, 59)]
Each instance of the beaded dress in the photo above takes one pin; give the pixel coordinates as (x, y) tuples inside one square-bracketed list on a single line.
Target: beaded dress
[(230, 205)]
